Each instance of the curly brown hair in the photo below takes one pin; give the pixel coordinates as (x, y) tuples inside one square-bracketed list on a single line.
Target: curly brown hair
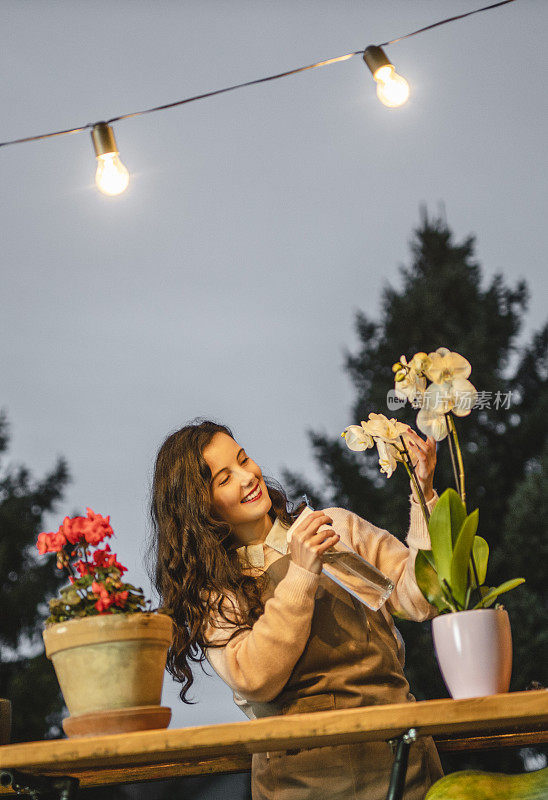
[(192, 554)]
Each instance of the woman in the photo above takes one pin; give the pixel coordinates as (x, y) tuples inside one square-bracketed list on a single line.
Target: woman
[(281, 634)]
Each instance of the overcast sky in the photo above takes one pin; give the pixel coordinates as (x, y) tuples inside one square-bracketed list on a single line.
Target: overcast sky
[(225, 281)]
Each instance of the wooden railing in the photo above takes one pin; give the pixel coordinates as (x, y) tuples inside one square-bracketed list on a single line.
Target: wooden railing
[(519, 718)]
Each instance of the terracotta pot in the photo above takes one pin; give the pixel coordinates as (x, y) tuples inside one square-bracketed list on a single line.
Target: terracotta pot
[(111, 669), (474, 651)]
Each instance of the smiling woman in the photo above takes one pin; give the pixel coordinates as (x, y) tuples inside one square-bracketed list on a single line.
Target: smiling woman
[(238, 490), (281, 634)]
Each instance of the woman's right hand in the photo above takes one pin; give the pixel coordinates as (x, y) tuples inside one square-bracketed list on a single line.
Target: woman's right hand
[(308, 544)]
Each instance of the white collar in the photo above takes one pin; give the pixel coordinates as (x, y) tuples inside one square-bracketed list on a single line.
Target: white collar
[(253, 554)]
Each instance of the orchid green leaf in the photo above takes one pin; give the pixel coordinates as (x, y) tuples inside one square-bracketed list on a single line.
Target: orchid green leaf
[(427, 581), (480, 551), (444, 526), (491, 596), (461, 557)]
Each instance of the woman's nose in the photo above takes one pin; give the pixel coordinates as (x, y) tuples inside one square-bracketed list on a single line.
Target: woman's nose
[(247, 478)]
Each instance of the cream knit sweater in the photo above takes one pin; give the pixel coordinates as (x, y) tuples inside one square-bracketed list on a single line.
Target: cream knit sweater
[(257, 663)]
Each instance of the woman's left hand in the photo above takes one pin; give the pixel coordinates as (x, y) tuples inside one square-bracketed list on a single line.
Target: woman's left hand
[(423, 456)]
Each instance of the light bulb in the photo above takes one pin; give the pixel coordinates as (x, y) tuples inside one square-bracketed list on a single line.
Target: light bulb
[(392, 89), (112, 177)]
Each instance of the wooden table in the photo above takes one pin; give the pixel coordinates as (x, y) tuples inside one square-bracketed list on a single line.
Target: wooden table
[(518, 718)]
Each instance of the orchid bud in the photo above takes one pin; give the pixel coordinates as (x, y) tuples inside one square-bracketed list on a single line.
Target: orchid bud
[(399, 376), (396, 366)]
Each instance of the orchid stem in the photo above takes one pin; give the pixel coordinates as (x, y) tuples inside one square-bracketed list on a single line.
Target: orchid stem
[(454, 440), (452, 452), (416, 485)]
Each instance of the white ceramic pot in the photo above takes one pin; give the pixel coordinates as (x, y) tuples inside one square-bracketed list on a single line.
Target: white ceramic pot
[(474, 651), (111, 669)]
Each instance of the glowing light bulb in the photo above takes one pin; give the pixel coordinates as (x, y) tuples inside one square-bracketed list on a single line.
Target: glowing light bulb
[(111, 176), (392, 89)]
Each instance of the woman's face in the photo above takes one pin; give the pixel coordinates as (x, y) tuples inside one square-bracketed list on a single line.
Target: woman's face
[(238, 491)]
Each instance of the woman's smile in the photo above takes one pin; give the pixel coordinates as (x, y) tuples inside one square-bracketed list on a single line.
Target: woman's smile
[(253, 495)]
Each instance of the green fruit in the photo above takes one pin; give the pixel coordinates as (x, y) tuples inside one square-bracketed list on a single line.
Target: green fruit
[(475, 785)]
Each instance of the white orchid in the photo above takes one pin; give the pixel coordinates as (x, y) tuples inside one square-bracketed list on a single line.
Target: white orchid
[(386, 433), (389, 455), (420, 362), (432, 423), (409, 381), (446, 366), (356, 438), (383, 432), (380, 427), (456, 396), (450, 391)]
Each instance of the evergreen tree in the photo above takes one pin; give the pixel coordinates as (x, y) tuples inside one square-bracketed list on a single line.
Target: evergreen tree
[(26, 583), (443, 302)]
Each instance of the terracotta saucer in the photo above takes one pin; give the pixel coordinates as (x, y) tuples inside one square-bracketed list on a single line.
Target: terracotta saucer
[(120, 720)]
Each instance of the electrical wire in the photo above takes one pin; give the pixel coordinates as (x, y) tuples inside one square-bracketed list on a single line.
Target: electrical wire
[(445, 21), (215, 92)]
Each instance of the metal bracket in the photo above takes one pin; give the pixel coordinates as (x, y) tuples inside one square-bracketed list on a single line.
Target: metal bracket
[(40, 787), (400, 746)]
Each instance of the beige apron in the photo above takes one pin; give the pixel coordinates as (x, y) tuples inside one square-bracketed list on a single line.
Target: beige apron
[(352, 658)]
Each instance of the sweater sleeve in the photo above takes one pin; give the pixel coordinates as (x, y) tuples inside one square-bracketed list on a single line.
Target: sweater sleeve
[(392, 557), (257, 663)]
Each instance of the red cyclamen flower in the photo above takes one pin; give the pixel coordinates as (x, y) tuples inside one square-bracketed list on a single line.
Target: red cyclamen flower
[(104, 558), (50, 542), (98, 527), (105, 599), (120, 598), (73, 529), (83, 567)]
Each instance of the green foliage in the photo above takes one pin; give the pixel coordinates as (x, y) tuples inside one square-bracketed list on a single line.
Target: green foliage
[(444, 574), (445, 523), (78, 600), (480, 551), (461, 567), (488, 599), (429, 583), (26, 584)]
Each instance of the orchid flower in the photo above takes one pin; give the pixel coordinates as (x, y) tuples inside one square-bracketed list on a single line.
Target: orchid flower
[(449, 392), (389, 455), (356, 438), (410, 382), (446, 366), (386, 434), (380, 427), (432, 423)]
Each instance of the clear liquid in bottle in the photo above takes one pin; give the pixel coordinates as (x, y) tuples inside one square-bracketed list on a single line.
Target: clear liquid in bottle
[(356, 575)]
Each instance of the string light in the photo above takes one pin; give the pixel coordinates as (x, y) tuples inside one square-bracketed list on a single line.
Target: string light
[(112, 177), (392, 89)]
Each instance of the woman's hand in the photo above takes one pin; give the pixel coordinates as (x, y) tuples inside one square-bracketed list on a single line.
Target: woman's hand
[(423, 456), (308, 544)]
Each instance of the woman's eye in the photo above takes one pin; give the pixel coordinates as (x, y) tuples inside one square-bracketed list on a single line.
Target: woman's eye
[(224, 480), (245, 459)]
